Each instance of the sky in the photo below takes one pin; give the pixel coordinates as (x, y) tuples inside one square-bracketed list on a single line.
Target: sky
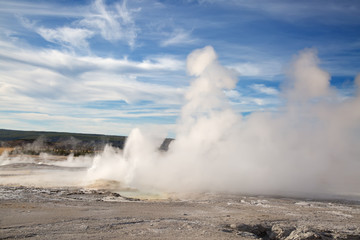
[(109, 66)]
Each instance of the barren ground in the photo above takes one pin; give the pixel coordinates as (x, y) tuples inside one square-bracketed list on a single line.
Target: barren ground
[(73, 213)]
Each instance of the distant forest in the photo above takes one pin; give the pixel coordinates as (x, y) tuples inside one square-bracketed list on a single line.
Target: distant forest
[(61, 143)]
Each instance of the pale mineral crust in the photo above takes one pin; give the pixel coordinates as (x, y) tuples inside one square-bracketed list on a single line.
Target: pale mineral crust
[(73, 213)]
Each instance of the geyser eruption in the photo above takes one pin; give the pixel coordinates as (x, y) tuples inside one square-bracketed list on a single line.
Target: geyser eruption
[(309, 146)]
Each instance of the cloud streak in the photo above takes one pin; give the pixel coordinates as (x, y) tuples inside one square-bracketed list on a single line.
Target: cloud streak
[(178, 37), (113, 25), (66, 36), (62, 61), (59, 84), (322, 11), (261, 88)]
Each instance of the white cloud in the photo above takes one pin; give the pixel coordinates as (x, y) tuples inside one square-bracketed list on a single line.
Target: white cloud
[(113, 23), (261, 88), (321, 11), (44, 9), (110, 24), (178, 37), (73, 64), (258, 101), (49, 122), (246, 69), (96, 86), (233, 94), (66, 36), (264, 69), (40, 84), (54, 88), (35, 83)]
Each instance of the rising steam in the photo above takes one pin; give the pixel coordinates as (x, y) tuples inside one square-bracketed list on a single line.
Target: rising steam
[(309, 146)]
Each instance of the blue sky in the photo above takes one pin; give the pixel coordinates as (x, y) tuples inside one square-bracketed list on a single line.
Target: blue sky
[(109, 66)]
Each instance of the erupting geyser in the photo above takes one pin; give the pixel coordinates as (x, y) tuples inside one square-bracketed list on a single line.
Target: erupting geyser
[(309, 146)]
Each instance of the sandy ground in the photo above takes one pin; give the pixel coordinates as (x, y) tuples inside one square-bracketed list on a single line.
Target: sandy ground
[(69, 213)]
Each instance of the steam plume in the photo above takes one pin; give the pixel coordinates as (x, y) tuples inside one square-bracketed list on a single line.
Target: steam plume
[(310, 146)]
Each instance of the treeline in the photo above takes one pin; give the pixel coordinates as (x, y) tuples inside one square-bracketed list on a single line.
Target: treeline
[(61, 143), (57, 143)]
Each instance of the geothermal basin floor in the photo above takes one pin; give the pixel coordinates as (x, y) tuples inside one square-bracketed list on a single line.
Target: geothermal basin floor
[(76, 213)]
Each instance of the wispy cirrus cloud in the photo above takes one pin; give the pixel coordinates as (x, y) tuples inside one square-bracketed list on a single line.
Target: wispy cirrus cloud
[(43, 70), (23, 7), (320, 11), (81, 123), (246, 69), (56, 85), (112, 23), (261, 88), (259, 69), (67, 36), (72, 63), (178, 37)]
